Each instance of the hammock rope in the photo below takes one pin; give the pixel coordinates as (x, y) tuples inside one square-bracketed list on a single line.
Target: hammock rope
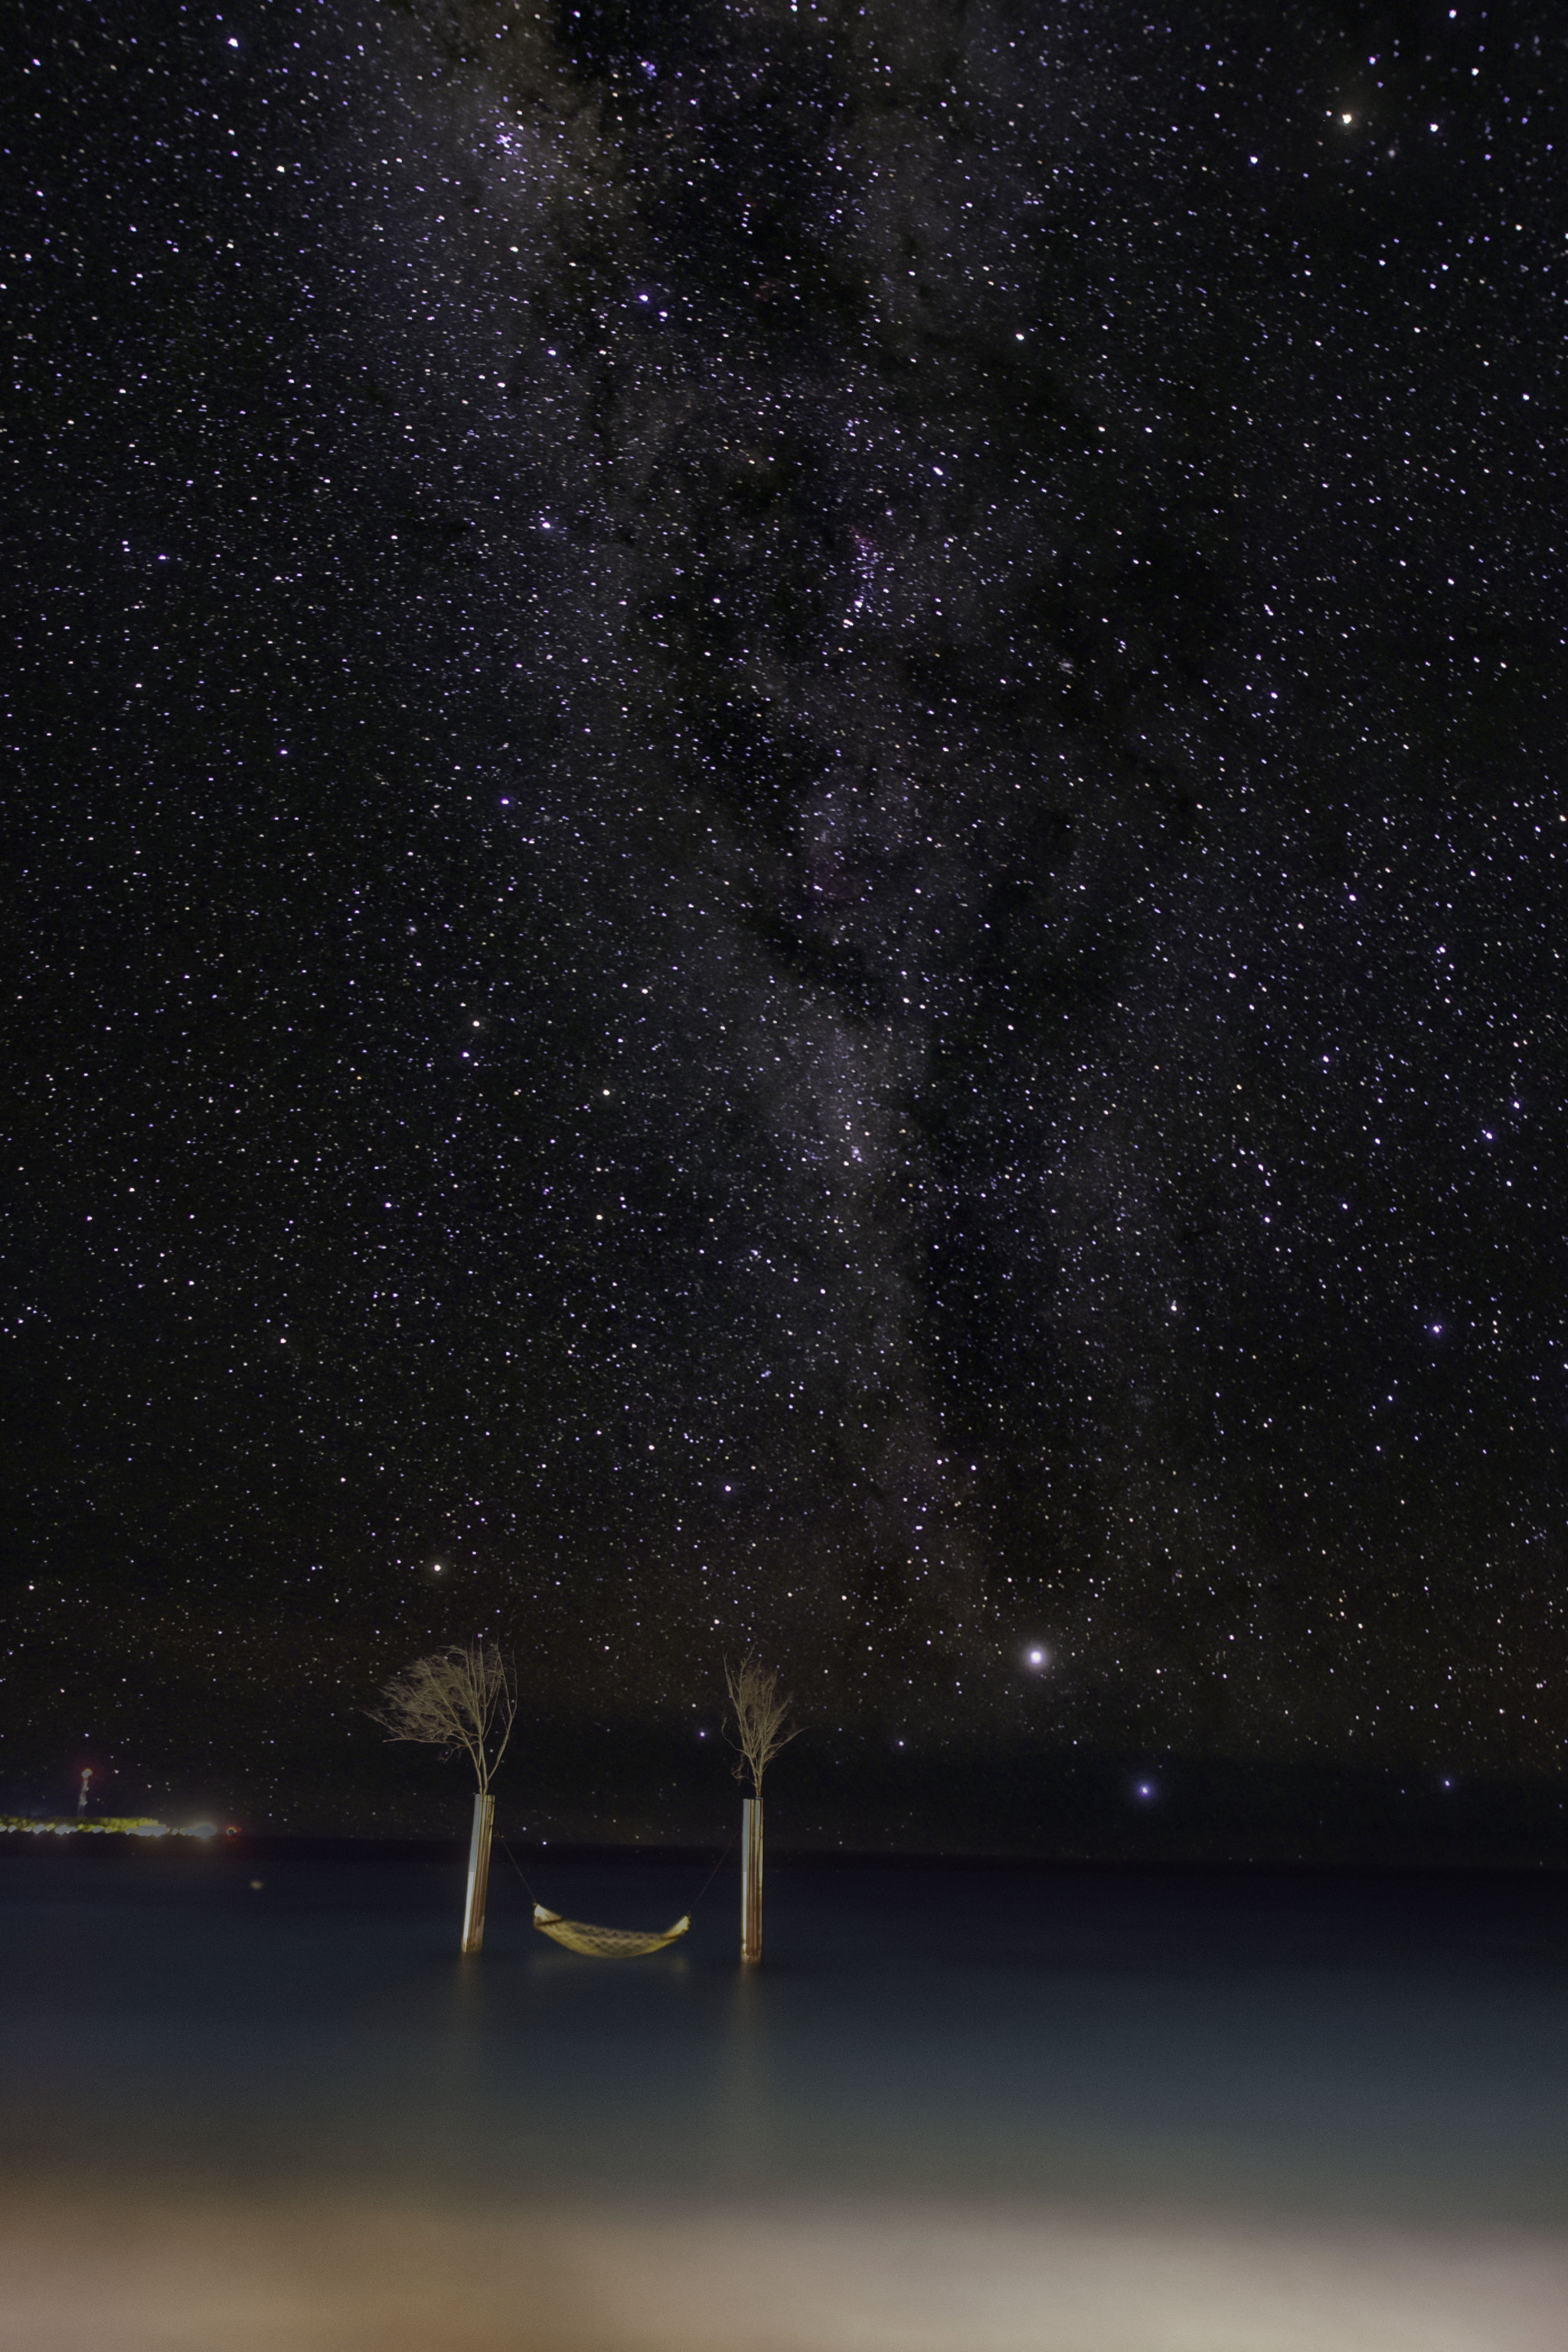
[(608, 1943)]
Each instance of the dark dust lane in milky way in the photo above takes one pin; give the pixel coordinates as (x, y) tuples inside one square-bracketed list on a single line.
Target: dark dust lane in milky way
[(792, 867)]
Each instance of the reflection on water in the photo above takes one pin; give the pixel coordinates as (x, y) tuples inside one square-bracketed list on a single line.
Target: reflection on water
[(1039, 2065), (746, 2096)]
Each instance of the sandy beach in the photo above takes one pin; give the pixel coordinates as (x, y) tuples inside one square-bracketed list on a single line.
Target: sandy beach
[(183, 2274)]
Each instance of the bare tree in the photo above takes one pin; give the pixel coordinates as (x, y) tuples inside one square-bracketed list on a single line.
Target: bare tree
[(462, 1697), (762, 1719)]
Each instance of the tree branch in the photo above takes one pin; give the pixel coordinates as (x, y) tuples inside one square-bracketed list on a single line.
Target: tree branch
[(762, 1719), (462, 1697)]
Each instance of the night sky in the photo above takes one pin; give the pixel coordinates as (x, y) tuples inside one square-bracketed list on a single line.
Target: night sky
[(785, 867)]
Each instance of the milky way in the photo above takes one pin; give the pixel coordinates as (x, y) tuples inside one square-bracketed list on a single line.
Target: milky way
[(792, 870)]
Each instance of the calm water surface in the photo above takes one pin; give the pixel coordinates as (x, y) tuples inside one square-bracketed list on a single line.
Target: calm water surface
[(1382, 2048)]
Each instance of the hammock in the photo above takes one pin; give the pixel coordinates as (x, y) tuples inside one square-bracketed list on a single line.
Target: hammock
[(604, 1943)]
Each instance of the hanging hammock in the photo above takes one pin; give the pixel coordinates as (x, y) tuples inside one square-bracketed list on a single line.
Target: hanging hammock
[(604, 1943)]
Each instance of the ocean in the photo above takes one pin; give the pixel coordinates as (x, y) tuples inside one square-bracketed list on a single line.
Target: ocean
[(257, 2098)]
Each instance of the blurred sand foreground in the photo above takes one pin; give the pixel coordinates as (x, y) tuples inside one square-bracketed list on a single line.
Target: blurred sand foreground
[(336, 2275)]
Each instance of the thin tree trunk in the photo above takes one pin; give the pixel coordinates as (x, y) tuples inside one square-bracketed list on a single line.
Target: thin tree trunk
[(752, 1878), (479, 1873)]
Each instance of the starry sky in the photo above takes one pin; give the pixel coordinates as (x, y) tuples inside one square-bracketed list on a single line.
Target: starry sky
[(786, 870)]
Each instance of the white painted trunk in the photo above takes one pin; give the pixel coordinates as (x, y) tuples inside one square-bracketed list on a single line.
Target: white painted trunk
[(752, 1878), (479, 1873)]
